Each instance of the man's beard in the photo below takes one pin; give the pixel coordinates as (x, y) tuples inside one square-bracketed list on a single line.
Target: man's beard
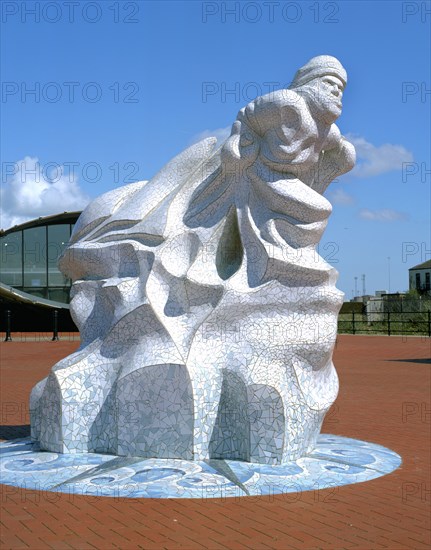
[(321, 104)]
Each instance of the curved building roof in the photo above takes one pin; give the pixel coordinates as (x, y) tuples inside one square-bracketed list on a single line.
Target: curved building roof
[(64, 217), (15, 295)]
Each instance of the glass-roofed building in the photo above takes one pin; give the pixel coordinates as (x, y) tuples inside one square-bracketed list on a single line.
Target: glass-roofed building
[(29, 254)]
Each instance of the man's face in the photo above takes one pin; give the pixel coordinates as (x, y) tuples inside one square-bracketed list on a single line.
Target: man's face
[(329, 94)]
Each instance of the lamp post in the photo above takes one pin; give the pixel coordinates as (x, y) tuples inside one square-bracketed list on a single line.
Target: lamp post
[(8, 337), (389, 274), (55, 325)]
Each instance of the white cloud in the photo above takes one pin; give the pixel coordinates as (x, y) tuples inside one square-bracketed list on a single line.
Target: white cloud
[(31, 193), (220, 133), (339, 196), (373, 160), (384, 215)]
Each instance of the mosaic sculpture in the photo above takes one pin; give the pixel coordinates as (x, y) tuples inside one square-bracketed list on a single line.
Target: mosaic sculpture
[(207, 316)]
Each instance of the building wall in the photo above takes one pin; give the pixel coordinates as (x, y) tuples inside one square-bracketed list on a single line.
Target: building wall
[(420, 279)]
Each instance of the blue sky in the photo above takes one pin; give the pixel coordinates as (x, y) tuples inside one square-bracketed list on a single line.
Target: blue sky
[(119, 88)]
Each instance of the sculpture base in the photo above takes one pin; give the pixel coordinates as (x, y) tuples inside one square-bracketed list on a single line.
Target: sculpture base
[(335, 461)]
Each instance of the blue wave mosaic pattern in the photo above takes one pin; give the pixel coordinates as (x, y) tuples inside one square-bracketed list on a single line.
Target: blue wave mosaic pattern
[(335, 461)]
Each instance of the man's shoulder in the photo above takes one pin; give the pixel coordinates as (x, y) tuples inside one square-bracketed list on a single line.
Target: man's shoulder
[(282, 98)]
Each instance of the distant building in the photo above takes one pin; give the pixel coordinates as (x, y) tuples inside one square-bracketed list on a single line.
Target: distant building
[(378, 306), (420, 277), (31, 285), (362, 299)]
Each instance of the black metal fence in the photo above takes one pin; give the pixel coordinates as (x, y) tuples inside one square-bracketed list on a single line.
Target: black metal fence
[(55, 326), (41, 337), (351, 322), (389, 322)]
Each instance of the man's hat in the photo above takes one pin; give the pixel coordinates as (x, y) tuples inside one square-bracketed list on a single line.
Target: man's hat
[(322, 65)]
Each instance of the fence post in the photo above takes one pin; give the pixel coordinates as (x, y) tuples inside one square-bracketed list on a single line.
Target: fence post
[(429, 323), (55, 327), (353, 321), (8, 337), (389, 323)]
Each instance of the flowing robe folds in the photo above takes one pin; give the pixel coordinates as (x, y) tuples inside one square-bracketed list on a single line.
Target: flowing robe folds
[(207, 316)]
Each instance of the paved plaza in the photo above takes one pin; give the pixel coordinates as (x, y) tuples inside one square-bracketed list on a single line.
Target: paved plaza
[(384, 399)]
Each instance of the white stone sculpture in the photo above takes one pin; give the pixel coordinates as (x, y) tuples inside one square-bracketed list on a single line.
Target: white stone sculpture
[(207, 316)]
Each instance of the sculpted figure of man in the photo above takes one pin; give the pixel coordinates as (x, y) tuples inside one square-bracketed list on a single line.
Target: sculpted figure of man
[(207, 317), (295, 126)]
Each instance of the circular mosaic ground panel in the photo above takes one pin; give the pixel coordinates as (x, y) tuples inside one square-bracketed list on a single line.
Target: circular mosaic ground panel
[(335, 461)]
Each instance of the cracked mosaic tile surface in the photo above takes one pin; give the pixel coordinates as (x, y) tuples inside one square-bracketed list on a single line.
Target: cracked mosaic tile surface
[(335, 461), (207, 316)]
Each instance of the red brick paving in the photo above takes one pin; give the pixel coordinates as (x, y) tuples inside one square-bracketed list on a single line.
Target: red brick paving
[(384, 398)]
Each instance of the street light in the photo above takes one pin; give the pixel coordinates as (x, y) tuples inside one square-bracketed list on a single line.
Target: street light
[(389, 274)]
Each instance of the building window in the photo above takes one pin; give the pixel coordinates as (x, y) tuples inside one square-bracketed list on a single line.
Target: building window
[(418, 281), (34, 254), (11, 259), (29, 260), (427, 281), (58, 237)]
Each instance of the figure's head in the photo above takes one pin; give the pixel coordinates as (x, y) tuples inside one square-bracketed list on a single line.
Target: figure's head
[(322, 81)]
